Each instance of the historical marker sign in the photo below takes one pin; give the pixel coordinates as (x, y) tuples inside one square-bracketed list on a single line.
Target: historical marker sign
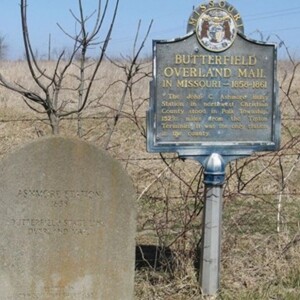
[(214, 90), (213, 98)]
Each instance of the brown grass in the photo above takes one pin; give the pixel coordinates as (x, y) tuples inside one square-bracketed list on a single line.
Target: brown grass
[(257, 261)]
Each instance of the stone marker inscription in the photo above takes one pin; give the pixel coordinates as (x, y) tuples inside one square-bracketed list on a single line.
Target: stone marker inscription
[(213, 88), (67, 223)]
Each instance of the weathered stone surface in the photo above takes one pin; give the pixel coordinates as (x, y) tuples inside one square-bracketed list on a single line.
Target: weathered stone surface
[(67, 222)]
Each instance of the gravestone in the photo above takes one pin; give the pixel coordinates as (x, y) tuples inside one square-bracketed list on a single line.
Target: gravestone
[(67, 222)]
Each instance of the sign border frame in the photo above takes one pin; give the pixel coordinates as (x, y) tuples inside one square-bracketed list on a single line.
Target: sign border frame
[(233, 148)]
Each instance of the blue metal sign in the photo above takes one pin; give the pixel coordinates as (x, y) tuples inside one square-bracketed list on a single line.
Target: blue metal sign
[(213, 98), (214, 90)]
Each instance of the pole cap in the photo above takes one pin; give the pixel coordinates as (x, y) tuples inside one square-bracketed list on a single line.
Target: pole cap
[(214, 170)]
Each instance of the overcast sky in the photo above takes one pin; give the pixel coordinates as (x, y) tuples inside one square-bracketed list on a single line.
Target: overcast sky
[(268, 17)]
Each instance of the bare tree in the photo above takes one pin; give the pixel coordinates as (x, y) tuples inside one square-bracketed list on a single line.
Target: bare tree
[(48, 98), (134, 73)]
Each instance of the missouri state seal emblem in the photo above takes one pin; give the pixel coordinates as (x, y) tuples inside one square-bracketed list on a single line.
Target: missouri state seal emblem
[(216, 30), (216, 24)]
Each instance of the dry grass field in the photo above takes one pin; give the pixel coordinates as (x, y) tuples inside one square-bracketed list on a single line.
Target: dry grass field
[(261, 214)]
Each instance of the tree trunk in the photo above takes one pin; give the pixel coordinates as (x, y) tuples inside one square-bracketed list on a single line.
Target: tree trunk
[(79, 126), (54, 123)]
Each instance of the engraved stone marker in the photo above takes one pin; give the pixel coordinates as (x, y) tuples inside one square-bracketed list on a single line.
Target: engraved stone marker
[(67, 222)]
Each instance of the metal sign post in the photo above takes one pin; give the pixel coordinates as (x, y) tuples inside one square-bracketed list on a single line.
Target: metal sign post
[(214, 99), (211, 241), (214, 176)]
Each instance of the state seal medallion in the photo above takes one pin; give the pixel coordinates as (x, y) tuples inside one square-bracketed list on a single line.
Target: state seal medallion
[(216, 30), (216, 25)]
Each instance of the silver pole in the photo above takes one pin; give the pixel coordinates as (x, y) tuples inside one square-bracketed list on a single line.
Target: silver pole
[(211, 241), (214, 176)]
